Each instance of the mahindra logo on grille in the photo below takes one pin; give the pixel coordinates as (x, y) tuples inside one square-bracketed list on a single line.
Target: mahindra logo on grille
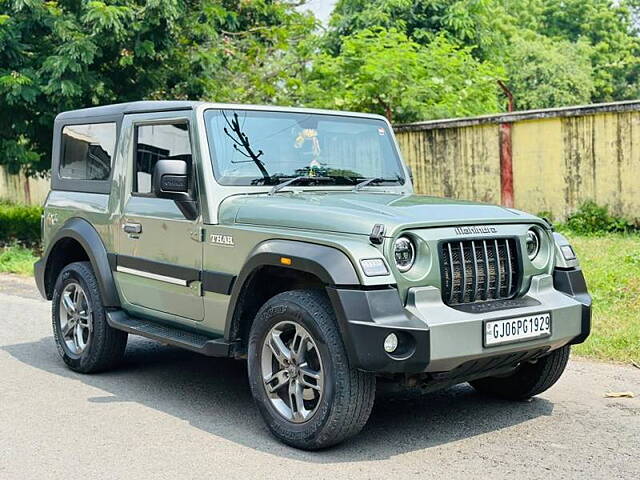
[(475, 230)]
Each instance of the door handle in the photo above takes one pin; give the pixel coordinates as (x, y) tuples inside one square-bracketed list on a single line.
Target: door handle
[(132, 228)]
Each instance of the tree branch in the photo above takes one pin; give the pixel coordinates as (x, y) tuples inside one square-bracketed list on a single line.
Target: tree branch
[(243, 141)]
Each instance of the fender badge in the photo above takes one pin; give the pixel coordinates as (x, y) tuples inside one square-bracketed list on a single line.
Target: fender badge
[(225, 240)]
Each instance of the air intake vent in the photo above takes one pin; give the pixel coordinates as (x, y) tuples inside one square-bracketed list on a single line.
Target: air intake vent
[(479, 270)]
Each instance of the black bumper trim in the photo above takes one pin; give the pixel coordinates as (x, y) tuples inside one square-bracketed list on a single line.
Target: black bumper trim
[(366, 317), (572, 283), (38, 272)]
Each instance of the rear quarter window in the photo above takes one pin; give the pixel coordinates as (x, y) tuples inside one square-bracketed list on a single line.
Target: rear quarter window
[(87, 151)]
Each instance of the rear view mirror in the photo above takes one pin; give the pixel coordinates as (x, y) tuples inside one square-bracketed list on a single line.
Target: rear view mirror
[(170, 180)]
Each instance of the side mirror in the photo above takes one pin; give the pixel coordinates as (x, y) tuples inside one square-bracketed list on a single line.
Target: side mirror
[(170, 180)]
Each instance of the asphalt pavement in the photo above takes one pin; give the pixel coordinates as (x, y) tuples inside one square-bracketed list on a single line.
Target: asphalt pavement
[(168, 413)]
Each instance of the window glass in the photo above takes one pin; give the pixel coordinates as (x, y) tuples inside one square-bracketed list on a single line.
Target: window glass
[(158, 142), (87, 151), (265, 148)]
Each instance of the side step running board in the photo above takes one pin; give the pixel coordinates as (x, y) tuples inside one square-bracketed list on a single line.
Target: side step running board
[(169, 335)]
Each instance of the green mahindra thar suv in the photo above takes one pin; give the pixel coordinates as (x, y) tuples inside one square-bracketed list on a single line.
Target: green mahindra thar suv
[(292, 238)]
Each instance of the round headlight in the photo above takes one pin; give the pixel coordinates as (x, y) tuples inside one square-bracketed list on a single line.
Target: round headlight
[(533, 244), (404, 253)]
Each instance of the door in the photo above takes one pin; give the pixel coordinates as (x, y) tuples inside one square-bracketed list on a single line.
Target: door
[(159, 250)]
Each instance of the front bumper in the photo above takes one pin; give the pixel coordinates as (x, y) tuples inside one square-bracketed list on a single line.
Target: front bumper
[(438, 338)]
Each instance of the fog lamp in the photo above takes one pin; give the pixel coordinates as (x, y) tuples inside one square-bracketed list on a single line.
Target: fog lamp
[(391, 343)]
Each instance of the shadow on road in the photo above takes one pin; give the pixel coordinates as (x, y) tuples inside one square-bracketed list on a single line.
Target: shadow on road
[(213, 395)]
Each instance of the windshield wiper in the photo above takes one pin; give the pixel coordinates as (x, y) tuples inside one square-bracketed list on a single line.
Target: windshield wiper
[(364, 183), (280, 186)]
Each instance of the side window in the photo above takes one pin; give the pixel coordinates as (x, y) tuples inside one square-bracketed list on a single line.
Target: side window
[(158, 142), (87, 151)]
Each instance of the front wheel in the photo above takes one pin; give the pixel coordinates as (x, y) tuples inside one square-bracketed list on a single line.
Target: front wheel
[(300, 376), (529, 379)]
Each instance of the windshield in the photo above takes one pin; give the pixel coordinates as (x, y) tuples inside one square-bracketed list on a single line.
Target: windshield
[(266, 148)]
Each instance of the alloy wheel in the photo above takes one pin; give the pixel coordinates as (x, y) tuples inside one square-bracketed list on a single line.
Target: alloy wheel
[(292, 371), (75, 318)]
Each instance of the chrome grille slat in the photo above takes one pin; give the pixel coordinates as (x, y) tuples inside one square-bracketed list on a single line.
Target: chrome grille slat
[(479, 270), (463, 263), (486, 270), (499, 280), (475, 271), (509, 273), (451, 270)]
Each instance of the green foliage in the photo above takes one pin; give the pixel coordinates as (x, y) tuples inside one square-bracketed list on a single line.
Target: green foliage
[(17, 259), (546, 73), (592, 219), (472, 23), (19, 223), (57, 56), (383, 71), (592, 45), (610, 27)]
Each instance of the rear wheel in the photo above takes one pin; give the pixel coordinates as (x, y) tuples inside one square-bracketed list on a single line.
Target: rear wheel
[(83, 337), (529, 379), (300, 376)]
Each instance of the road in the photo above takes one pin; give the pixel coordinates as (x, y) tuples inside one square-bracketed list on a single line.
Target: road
[(168, 413)]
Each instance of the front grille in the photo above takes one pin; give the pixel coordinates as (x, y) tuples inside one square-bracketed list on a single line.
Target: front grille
[(479, 270)]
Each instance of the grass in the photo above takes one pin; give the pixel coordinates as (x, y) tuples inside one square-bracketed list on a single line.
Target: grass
[(17, 259), (611, 264)]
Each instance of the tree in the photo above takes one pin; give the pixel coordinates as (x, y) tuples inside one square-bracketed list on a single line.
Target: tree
[(494, 30), (472, 23), (546, 73), (246, 52), (61, 55), (383, 71), (610, 27)]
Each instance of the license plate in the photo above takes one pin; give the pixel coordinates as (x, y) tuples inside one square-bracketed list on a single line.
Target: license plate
[(519, 329)]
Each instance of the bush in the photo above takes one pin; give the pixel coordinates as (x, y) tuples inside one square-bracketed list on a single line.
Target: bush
[(591, 218), (17, 259), (19, 223)]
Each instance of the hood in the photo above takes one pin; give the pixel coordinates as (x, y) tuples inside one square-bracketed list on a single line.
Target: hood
[(358, 212)]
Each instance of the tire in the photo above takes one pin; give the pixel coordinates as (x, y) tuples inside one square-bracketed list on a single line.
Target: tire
[(342, 398), (529, 379), (92, 346)]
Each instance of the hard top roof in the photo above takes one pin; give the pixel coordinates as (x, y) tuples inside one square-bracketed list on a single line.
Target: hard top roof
[(128, 107), (147, 106)]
